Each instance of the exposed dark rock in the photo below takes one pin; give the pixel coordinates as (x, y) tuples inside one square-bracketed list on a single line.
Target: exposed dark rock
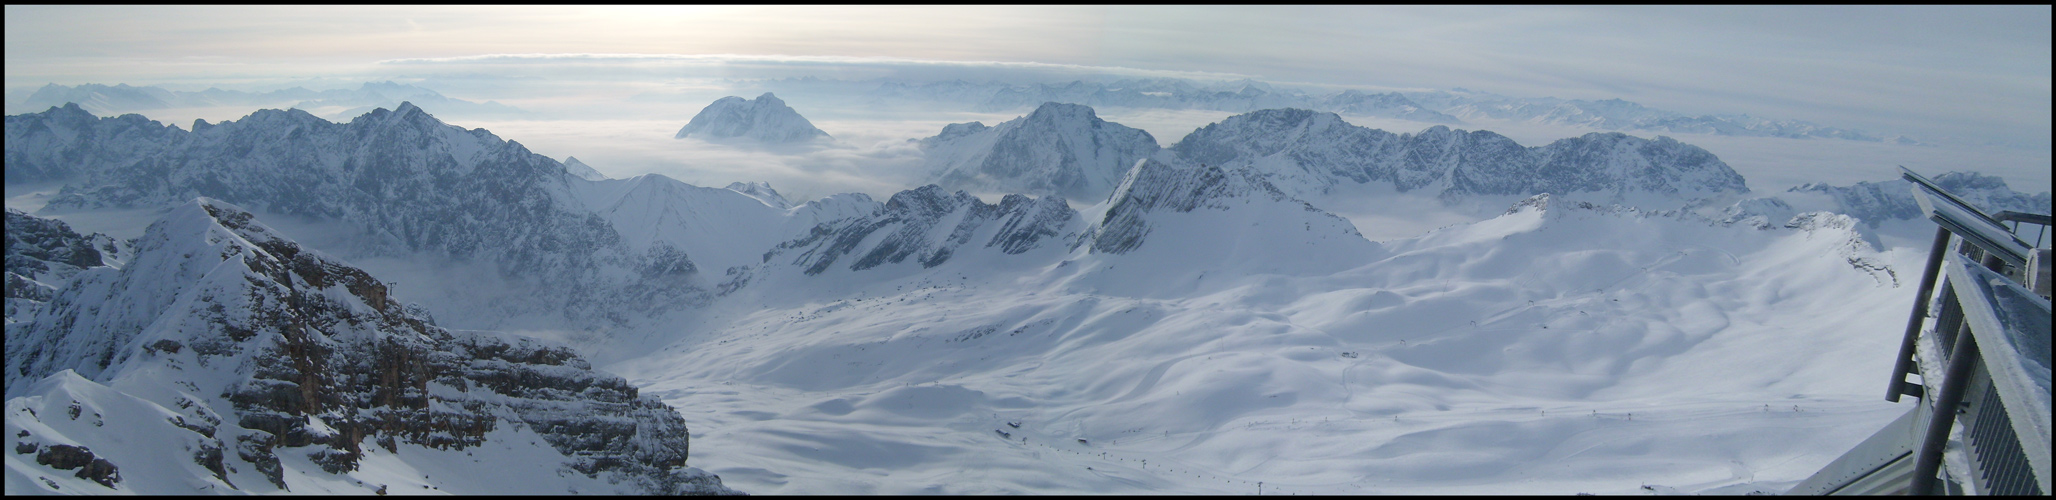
[(68, 457)]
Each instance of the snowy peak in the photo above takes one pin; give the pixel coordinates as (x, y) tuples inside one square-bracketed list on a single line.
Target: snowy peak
[(580, 170), (765, 119), (762, 192), (229, 335), (1059, 149), (1156, 186)]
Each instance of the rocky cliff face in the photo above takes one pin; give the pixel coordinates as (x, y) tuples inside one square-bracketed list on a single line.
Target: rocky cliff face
[(43, 255), (1059, 149), (268, 349)]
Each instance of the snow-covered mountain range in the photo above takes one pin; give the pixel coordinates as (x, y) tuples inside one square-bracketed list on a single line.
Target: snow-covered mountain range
[(1307, 152), (266, 362), (1453, 107), (1163, 93), (1066, 150), (1617, 114), (838, 345), (123, 99), (765, 120), (398, 181)]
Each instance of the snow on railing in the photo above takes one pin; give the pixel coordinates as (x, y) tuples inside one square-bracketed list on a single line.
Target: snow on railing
[(1984, 362)]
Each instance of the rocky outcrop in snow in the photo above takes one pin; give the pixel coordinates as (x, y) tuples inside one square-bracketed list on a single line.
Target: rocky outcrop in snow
[(765, 119), (44, 254), (247, 348), (1059, 149)]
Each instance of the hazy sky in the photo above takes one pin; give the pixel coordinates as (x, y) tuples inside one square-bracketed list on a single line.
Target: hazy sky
[(1929, 72), (1941, 69)]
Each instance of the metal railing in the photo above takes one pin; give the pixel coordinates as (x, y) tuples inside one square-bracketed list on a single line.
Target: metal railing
[(1984, 364)]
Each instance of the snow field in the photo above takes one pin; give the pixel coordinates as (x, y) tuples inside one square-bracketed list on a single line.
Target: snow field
[(1556, 351)]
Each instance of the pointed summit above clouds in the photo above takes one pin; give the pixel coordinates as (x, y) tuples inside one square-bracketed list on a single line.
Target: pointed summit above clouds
[(581, 170), (765, 119)]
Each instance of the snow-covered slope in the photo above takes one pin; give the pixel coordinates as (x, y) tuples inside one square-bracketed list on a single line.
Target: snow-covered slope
[(762, 192), (1543, 351), (1172, 222), (719, 228), (228, 357), (765, 119), (1059, 149), (1306, 153)]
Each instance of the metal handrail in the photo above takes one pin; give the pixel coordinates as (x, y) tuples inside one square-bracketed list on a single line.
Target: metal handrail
[(1967, 221), (2010, 326), (1986, 355), (1995, 315)]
